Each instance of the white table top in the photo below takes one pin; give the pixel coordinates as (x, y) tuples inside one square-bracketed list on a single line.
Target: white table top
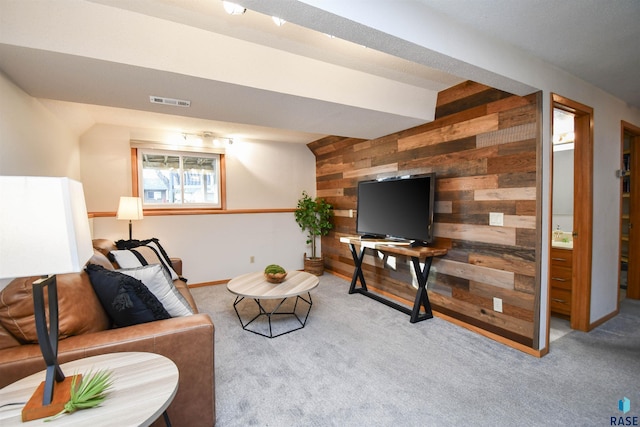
[(144, 384), (254, 285)]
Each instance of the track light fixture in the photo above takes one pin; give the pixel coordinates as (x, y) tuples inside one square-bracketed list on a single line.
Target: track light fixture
[(206, 137)]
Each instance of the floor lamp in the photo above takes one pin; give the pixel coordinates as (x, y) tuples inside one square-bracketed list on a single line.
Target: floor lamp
[(130, 208), (44, 231)]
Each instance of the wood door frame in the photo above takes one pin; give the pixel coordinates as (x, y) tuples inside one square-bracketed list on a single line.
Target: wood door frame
[(583, 203), (633, 278)]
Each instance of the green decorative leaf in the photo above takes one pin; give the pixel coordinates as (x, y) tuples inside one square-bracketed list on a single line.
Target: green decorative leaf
[(91, 392)]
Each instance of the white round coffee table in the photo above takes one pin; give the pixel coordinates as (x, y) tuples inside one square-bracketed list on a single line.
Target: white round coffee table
[(256, 287)]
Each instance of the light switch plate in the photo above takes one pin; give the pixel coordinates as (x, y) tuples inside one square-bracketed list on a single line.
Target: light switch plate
[(497, 304), (496, 218)]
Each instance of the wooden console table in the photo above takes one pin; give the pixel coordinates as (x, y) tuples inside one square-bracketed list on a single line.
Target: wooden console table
[(389, 247)]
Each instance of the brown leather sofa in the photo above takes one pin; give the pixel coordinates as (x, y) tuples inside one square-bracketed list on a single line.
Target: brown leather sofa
[(85, 331)]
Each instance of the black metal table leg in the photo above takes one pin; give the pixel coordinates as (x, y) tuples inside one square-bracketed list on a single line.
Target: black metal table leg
[(167, 421), (422, 275), (422, 298), (357, 273), (262, 311)]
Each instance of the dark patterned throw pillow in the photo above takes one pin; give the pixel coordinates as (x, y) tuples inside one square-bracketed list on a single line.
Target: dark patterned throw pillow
[(125, 299)]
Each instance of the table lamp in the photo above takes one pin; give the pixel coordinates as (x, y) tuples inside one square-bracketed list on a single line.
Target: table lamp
[(44, 231), (130, 208)]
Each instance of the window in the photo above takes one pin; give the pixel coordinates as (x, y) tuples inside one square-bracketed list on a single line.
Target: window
[(176, 179)]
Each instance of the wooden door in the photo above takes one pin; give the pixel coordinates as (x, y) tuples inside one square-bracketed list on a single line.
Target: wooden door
[(583, 211), (633, 272), (582, 223)]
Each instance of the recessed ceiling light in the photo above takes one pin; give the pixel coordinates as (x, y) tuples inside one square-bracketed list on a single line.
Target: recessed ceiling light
[(278, 21), (233, 8)]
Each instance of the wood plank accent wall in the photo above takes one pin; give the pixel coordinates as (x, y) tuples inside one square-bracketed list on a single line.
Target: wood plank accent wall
[(483, 147)]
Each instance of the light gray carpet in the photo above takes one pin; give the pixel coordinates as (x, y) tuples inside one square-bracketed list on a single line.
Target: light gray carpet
[(360, 363)]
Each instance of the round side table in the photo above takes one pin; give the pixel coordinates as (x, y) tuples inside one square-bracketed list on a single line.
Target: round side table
[(144, 385)]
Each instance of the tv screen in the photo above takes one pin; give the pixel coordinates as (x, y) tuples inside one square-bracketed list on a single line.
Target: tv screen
[(400, 208)]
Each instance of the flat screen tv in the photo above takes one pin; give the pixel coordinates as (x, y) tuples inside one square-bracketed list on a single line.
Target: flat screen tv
[(397, 208)]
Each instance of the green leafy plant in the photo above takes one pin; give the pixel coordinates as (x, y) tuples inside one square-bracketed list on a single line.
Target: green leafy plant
[(274, 269), (274, 273), (314, 217), (92, 391)]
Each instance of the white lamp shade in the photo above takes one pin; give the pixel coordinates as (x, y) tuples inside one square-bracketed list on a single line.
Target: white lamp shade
[(130, 208), (44, 228)]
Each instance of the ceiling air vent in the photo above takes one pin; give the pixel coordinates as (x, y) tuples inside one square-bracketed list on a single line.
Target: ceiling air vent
[(169, 101)]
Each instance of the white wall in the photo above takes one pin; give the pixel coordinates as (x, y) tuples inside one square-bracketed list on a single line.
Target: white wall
[(218, 247), (33, 141), (260, 175), (105, 166), (268, 175)]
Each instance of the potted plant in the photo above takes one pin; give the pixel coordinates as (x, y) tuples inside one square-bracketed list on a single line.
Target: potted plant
[(314, 217)]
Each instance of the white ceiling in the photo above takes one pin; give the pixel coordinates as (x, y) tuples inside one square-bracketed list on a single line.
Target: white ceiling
[(596, 40), (98, 61)]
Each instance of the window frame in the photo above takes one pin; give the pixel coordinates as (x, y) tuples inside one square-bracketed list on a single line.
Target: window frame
[(137, 170)]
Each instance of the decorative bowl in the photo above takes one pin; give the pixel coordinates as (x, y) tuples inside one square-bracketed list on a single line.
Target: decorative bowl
[(275, 277)]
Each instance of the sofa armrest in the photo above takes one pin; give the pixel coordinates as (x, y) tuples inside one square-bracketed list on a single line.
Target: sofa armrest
[(177, 265), (188, 341)]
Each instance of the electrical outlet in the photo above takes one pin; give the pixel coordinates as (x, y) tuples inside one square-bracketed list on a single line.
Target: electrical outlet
[(497, 304), (252, 259), (496, 218)]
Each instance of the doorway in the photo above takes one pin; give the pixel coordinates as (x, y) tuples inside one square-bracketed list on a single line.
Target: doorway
[(571, 248), (630, 213)]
